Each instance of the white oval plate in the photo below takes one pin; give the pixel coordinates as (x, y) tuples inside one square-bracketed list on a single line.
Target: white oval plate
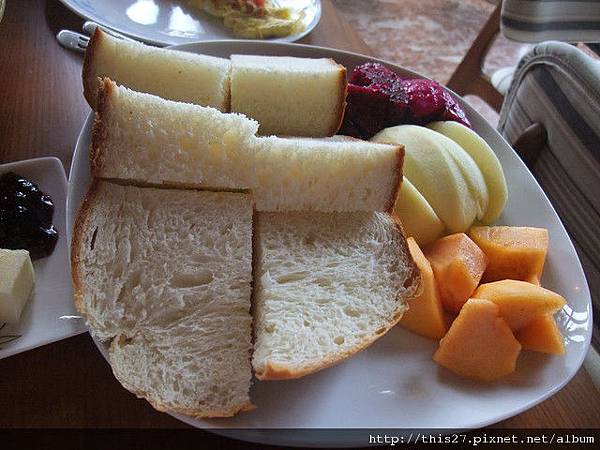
[(173, 22), (394, 383)]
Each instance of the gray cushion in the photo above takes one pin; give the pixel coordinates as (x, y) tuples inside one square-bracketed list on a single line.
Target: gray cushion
[(542, 20)]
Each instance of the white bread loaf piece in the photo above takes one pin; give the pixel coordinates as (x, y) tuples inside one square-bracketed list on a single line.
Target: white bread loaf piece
[(143, 137), (326, 174), (171, 74), (327, 285), (166, 276), (148, 140), (289, 96)]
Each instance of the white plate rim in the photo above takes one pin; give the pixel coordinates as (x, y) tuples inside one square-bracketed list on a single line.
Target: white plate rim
[(285, 437)]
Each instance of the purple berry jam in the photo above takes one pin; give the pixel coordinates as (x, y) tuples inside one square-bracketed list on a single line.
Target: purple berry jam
[(26, 217)]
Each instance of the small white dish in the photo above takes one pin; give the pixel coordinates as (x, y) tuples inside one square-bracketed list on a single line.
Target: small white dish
[(174, 22), (48, 315), (394, 384)]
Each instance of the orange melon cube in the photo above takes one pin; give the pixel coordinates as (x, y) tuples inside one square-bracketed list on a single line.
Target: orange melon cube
[(541, 335), (458, 265), (425, 315), (533, 279), (519, 301), (479, 344), (516, 253)]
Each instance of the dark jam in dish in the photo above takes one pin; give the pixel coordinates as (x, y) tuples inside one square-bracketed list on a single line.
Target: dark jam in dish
[(379, 98), (25, 217)]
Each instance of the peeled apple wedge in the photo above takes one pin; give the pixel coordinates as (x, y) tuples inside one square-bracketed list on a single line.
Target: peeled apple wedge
[(486, 160), (419, 219), (435, 174), (470, 172)]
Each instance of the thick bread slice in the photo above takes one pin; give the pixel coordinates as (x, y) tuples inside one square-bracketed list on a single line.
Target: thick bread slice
[(327, 285), (171, 74), (146, 138), (166, 275), (289, 96), (326, 174)]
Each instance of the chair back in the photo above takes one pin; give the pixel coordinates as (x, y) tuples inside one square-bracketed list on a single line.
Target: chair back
[(542, 20), (557, 86)]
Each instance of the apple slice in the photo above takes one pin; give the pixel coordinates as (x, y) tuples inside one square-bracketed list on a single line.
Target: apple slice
[(470, 172), (418, 218), (435, 174), (485, 158)]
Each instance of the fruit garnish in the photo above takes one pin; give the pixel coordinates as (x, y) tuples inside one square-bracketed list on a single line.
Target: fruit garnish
[(379, 98)]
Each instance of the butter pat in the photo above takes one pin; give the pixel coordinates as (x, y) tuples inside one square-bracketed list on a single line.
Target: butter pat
[(16, 283)]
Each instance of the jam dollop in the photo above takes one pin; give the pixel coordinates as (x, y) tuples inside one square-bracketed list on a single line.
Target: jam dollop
[(379, 98), (26, 217)]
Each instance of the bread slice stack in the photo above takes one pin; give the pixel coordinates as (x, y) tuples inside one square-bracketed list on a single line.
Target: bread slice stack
[(165, 276), (288, 96), (171, 74), (163, 258), (326, 174), (145, 139), (142, 137)]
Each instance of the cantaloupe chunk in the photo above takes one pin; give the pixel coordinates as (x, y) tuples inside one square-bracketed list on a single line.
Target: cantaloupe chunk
[(458, 265), (479, 344), (515, 253), (542, 335), (425, 315), (519, 301), (533, 279)]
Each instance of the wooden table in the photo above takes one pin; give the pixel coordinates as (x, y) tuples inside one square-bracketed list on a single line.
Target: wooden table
[(68, 384)]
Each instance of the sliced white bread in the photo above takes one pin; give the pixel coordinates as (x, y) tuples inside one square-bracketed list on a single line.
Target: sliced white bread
[(143, 137), (171, 74), (327, 285), (289, 96), (326, 174), (166, 276)]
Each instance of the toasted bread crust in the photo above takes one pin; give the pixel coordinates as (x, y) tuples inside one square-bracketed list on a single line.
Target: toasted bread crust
[(343, 89), (88, 74), (76, 241), (413, 285), (397, 182), (105, 89)]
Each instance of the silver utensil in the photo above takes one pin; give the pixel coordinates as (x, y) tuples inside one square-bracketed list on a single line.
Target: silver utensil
[(78, 42), (72, 40)]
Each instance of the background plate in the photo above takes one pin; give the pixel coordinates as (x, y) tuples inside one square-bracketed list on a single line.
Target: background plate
[(172, 22), (394, 383), (52, 296)]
